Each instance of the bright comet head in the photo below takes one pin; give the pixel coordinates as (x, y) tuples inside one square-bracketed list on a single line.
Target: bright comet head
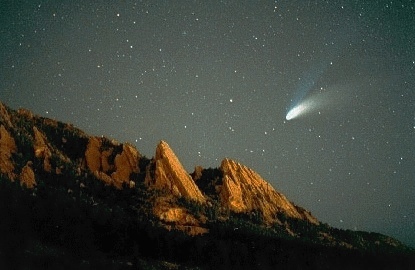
[(300, 109), (294, 112)]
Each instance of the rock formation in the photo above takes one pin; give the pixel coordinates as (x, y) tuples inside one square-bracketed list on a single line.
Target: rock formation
[(27, 176), (7, 148), (93, 154), (125, 163), (39, 151), (240, 190), (243, 190), (5, 116), (178, 217), (169, 174), (236, 188), (42, 150), (114, 172)]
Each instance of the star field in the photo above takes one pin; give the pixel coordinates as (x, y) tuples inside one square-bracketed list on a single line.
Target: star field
[(216, 79)]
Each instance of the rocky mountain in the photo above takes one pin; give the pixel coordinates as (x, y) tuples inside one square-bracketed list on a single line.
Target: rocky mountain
[(72, 193)]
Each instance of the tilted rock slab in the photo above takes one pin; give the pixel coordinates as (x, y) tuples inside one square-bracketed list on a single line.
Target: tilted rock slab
[(170, 174), (244, 190)]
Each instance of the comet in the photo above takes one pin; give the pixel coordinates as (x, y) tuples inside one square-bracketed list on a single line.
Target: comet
[(294, 112), (308, 95), (300, 109)]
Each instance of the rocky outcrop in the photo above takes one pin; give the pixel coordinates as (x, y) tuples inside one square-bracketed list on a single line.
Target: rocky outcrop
[(243, 190), (93, 154), (125, 163), (176, 217), (28, 114), (236, 188), (197, 173), (7, 148), (42, 150), (170, 175), (5, 116), (167, 173), (113, 171), (27, 176)]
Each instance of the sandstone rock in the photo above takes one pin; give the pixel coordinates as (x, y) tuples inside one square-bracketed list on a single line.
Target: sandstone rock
[(177, 217), (131, 184), (50, 122), (125, 164), (5, 118), (7, 148), (27, 176), (42, 150), (170, 175), (25, 113), (105, 165), (243, 190), (180, 219), (197, 174), (104, 177), (93, 154)]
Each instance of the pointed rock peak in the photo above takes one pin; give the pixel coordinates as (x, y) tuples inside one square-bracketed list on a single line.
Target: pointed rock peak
[(170, 174), (163, 149), (229, 166), (244, 190)]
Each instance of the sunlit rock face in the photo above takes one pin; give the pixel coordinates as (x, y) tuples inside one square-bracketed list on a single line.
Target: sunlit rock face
[(5, 116), (244, 190), (169, 174), (112, 163), (42, 150), (125, 164), (27, 176), (93, 154), (166, 173), (7, 148)]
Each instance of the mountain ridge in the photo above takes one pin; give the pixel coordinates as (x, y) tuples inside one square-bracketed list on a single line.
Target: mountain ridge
[(113, 163), (40, 153)]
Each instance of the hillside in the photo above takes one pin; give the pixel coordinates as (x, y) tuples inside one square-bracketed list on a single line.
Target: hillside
[(73, 200)]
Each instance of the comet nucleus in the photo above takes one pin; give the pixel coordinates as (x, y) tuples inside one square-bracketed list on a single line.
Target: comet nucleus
[(299, 109), (294, 112)]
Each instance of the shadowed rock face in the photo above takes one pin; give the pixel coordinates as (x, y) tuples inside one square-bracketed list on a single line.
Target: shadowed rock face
[(170, 174), (244, 190)]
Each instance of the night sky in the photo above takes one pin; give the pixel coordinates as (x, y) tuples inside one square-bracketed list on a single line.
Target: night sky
[(216, 79)]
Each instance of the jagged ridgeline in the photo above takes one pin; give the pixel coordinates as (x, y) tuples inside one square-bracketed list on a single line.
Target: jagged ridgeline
[(68, 197)]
